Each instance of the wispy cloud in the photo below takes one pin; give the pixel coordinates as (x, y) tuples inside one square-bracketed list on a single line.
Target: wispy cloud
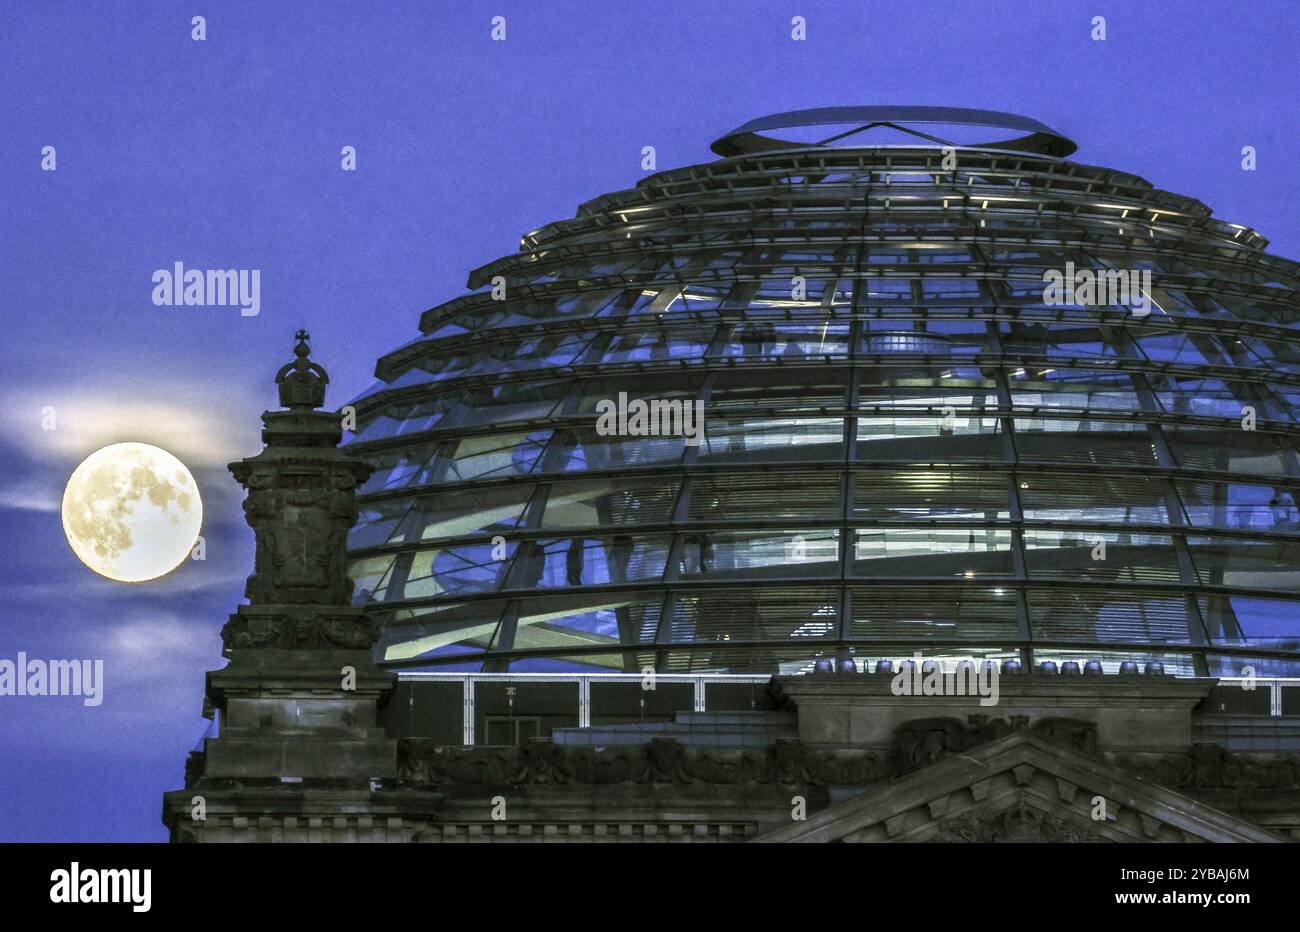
[(64, 423), (31, 495), (154, 647), (153, 683), (91, 586)]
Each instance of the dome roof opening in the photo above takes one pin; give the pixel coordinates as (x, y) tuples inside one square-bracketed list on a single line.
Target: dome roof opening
[(887, 125)]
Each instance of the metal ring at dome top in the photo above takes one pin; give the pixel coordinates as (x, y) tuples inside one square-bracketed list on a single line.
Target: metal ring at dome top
[(1037, 138)]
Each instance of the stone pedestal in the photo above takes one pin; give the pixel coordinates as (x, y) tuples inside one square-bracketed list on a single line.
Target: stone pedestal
[(298, 702), (285, 713)]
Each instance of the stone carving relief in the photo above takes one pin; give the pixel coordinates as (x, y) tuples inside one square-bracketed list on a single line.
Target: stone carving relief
[(300, 515), (786, 762), (298, 630), (1210, 767), (924, 741), (1021, 824), (790, 762)]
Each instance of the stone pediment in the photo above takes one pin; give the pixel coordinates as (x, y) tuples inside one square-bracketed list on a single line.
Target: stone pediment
[(1019, 788)]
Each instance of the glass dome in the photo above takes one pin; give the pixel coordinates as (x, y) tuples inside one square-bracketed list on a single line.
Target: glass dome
[(909, 441)]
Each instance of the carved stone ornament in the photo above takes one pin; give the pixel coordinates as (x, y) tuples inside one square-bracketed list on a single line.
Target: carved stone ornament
[(422, 763), (1021, 824), (924, 741), (301, 498), (786, 761), (302, 382), (297, 630), (1210, 767)]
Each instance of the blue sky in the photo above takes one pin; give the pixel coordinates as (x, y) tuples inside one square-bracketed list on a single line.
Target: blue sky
[(225, 154)]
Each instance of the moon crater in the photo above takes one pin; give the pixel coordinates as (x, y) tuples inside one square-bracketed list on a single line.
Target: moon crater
[(131, 512)]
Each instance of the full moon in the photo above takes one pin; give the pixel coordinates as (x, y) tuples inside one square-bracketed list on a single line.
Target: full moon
[(131, 512)]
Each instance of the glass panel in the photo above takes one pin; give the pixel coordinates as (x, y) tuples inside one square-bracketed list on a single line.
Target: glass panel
[(513, 401), (584, 449), (647, 386), (1205, 397), (1101, 614), (927, 384), (443, 363), (1061, 340), (1234, 451), (931, 494), (1196, 349), (949, 289), (933, 552), (395, 469), (1239, 506), (565, 623), (460, 570), (600, 503), (753, 614), (929, 438), (399, 419), (764, 497), (376, 522), (1246, 564), (439, 631), (492, 456), (761, 554), (1122, 556), (888, 337), (768, 340), (1092, 499), (934, 391), (909, 614), (589, 561), (1250, 621), (658, 345), (370, 578), (1274, 355), (465, 513), (1075, 389), (743, 391), (539, 352), (771, 440), (1235, 665), (1083, 440)]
